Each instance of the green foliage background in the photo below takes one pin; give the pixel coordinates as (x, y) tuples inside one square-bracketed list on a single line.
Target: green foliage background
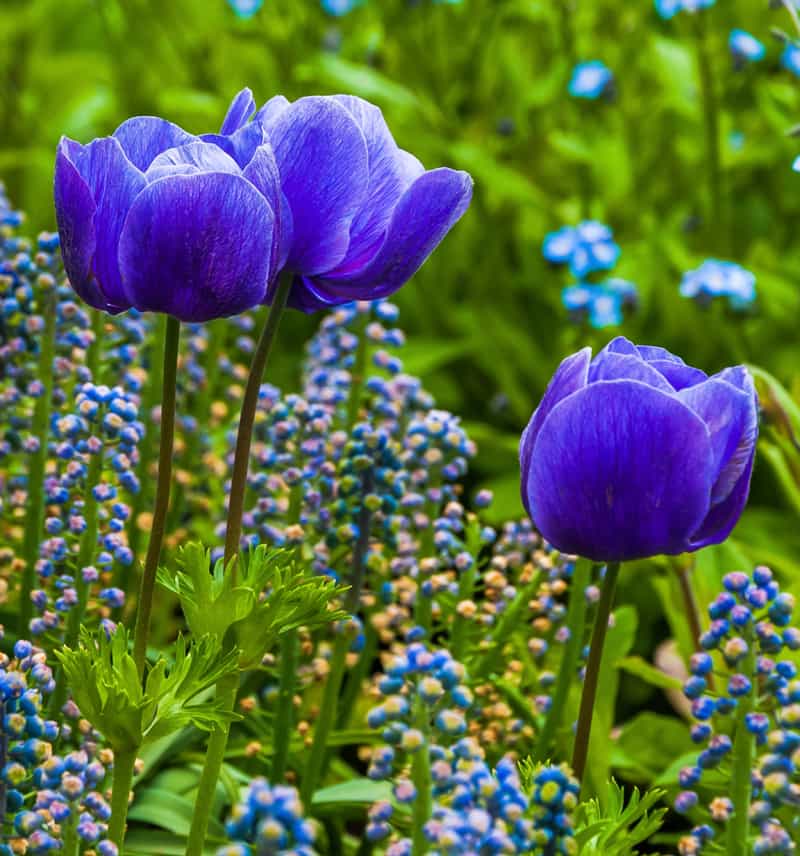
[(482, 85)]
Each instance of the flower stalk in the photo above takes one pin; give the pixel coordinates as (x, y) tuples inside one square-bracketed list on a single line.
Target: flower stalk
[(581, 749), (576, 622), (736, 843), (288, 653), (148, 581), (423, 784), (34, 522), (122, 781)]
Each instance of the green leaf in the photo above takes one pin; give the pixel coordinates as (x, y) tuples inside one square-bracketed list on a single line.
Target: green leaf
[(353, 793), (647, 745), (649, 673)]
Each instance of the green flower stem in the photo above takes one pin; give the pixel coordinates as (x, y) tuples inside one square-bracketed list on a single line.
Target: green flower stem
[(93, 360), (34, 521), (581, 750), (690, 604), (69, 835), (144, 606), (357, 675), (358, 373), (228, 686), (85, 554), (736, 843), (244, 437), (466, 588), (215, 755), (423, 783), (715, 226), (281, 735), (155, 381), (576, 622), (122, 782), (333, 686)]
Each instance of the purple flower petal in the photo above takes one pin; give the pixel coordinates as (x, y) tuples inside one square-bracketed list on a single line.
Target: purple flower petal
[(197, 246), (424, 215), (723, 516), (75, 214), (114, 183), (322, 158), (262, 171), (620, 471), (194, 157), (610, 365), (391, 171), (653, 352), (242, 108), (569, 377), (731, 417), (678, 375), (241, 145), (267, 115), (144, 137)]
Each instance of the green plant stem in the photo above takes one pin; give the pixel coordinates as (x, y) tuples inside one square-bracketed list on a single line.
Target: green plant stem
[(93, 361), (715, 227), (69, 835), (215, 756), (690, 604), (155, 381), (330, 697), (85, 552), (144, 606), (581, 750), (282, 732), (244, 436), (34, 520), (576, 622), (736, 843), (357, 374), (228, 686), (423, 782), (122, 782)]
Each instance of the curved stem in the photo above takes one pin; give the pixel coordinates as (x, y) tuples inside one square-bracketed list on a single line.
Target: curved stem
[(244, 437), (34, 521), (281, 734), (120, 795), (736, 843), (147, 587), (581, 750), (576, 622), (93, 361), (227, 687)]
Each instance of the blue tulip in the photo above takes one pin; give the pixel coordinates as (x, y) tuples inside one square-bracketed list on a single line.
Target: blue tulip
[(634, 453)]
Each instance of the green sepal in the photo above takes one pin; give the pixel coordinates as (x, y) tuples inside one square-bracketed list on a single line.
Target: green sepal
[(273, 593), (105, 685)]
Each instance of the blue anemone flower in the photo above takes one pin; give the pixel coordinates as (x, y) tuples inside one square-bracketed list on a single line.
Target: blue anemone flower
[(716, 278), (586, 248), (603, 304), (669, 8), (745, 47), (591, 80)]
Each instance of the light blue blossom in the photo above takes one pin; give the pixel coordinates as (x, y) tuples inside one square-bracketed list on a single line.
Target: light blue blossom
[(745, 47), (245, 8), (790, 58), (340, 8), (591, 80), (716, 278), (670, 8), (603, 304), (587, 247)]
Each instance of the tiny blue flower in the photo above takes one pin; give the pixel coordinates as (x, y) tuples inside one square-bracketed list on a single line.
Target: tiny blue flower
[(245, 8), (591, 80), (586, 248), (790, 58), (340, 8), (716, 278), (669, 8), (602, 304), (745, 47)]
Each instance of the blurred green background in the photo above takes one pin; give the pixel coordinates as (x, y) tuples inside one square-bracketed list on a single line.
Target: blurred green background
[(482, 85)]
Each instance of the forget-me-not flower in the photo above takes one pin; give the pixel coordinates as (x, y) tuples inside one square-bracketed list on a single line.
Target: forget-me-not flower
[(591, 80), (586, 248)]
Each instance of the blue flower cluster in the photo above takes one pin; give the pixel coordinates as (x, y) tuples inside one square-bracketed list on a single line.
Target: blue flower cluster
[(720, 279), (670, 8), (555, 797), (51, 801), (587, 249), (591, 80), (750, 629), (269, 821)]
